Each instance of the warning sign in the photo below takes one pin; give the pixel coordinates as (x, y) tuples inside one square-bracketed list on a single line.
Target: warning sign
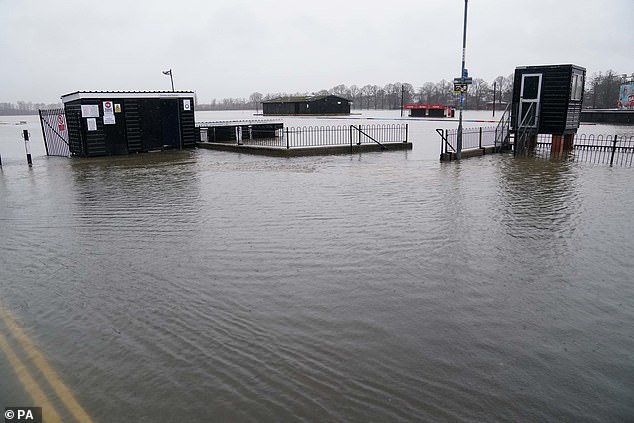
[(108, 108), (61, 123), (108, 113)]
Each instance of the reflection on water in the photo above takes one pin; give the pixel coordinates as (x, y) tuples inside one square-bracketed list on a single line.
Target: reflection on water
[(209, 286)]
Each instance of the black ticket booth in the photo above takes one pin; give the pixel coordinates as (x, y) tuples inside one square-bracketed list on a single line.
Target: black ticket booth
[(104, 123), (547, 100)]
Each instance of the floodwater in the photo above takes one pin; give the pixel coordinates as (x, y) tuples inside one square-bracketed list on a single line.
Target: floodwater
[(214, 286)]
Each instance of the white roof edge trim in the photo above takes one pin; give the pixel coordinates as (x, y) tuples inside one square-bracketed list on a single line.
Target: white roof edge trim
[(110, 95)]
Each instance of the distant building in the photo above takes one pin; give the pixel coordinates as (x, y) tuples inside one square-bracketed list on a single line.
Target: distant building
[(307, 105), (499, 105), (429, 110)]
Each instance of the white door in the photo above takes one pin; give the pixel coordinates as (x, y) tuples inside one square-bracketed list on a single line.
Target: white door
[(530, 93)]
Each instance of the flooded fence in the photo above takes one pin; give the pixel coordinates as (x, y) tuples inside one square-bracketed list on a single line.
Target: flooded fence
[(612, 150), (277, 136), (596, 149), (472, 138), (322, 136)]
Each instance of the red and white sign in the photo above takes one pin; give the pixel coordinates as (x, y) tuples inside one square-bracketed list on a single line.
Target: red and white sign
[(108, 108), (61, 122), (108, 113)]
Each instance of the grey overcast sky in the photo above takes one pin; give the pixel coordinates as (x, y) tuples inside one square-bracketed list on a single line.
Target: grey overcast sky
[(232, 48)]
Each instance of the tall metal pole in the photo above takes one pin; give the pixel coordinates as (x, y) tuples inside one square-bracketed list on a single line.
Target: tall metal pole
[(494, 86), (462, 75), (402, 97)]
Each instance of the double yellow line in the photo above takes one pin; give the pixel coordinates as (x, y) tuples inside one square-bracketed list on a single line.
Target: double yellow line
[(30, 385)]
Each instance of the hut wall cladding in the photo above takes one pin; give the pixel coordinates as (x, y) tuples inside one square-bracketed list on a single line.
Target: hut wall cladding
[(143, 124), (326, 105), (558, 114)]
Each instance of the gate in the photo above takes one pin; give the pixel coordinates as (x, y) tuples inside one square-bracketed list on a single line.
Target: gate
[(55, 132)]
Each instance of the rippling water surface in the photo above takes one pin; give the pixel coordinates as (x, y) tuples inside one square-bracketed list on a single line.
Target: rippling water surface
[(211, 286)]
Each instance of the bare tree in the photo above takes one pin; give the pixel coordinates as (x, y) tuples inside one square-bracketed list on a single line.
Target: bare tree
[(479, 92)]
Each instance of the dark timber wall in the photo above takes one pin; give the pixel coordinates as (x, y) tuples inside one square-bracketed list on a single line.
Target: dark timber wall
[(561, 94), (141, 122)]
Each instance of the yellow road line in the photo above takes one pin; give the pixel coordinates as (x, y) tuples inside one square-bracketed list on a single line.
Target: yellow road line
[(37, 358), (32, 388)]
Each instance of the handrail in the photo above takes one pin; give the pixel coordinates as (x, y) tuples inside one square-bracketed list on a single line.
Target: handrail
[(523, 131), (444, 141), (358, 128), (502, 129)]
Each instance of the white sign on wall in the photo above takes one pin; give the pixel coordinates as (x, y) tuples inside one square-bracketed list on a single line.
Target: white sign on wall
[(108, 113), (89, 110), (92, 124), (187, 105)]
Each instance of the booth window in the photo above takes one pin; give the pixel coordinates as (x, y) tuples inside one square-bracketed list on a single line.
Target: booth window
[(576, 89)]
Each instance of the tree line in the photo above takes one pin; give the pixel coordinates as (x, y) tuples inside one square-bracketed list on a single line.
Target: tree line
[(601, 91), (25, 108)]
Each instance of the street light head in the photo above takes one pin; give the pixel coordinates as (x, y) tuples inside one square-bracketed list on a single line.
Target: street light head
[(167, 72)]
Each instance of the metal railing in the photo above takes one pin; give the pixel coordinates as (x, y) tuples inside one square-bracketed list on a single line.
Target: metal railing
[(525, 132), (596, 149), (472, 138), (305, 136), (503, 129), (317, 136)]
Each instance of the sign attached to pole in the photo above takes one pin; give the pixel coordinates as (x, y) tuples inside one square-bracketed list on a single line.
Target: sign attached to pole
[(459, 88)]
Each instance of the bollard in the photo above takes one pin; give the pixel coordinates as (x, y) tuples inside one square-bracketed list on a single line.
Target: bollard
[(25, 135)]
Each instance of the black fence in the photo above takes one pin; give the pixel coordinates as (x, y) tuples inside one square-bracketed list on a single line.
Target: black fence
[(318, 136), (597, 149), (306, 136), (472, 138)]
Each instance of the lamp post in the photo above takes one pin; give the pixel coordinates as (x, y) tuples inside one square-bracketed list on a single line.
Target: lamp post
[(463, 76), (169, 72)]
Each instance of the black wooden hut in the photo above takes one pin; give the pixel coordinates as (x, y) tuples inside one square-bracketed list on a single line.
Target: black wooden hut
[(307, 105), (547, 99), (122, 122)]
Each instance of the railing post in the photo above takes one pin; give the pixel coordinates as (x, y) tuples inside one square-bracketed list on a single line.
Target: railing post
[(406, 133), (287, 143), (442, 144), (480, 139), (351, 126), (613, 150)]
